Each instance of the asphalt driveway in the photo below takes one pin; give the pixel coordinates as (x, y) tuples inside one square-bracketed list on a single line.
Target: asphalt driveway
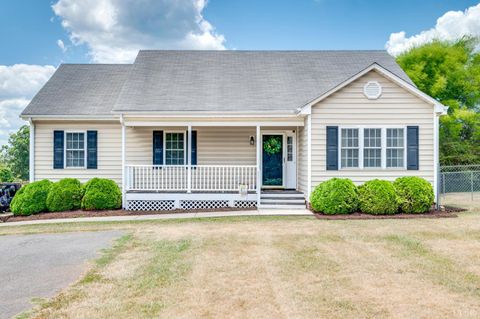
[(41, 265)]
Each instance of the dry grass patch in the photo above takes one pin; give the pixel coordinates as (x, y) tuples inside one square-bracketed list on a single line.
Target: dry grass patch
[(281, 268)]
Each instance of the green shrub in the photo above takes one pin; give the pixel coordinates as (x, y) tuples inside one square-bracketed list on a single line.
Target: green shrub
[(101, 193), (6, 175), (378, 197), (335, 196), (415, 194), (66, 194), (31, 198)]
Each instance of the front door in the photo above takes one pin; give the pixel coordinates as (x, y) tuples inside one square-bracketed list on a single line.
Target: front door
[(272, 160)]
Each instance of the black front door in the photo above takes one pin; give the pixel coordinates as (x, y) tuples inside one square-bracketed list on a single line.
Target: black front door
[(272, 163)]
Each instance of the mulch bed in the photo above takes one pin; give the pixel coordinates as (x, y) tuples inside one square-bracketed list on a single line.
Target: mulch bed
[(449, 212), (102, 213)]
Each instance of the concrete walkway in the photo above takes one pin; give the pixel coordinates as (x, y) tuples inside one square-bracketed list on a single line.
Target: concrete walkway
[(259, 212)]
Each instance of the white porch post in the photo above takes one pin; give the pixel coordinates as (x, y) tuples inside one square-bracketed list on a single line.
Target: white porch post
[(436, 164), (309, 156), (189, 178), (31, 156), (124, 204), (259, 177)]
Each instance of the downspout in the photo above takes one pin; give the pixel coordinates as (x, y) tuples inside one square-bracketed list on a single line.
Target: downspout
[(31, 153), (438, 111), (124, 203)]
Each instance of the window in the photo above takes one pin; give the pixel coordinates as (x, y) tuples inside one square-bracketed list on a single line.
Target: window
[(395, 147), (372, 147), (174, 148), (289, 148), (75, 149), (349, 147)]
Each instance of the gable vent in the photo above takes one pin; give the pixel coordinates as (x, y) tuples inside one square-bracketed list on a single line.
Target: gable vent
[(372, 90)]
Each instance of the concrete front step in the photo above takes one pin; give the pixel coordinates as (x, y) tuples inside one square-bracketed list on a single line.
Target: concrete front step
[(281, 195), (282, 201), (277, 206)]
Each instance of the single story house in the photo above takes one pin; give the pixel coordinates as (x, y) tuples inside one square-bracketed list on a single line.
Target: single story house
[(210, 129)]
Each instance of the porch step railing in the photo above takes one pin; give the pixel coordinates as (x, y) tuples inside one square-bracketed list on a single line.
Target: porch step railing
[(196, 178)]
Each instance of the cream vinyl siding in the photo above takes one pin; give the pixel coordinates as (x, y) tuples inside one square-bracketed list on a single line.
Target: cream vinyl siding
[(302, 153), (215, 145), (349, 107), (109, 156)]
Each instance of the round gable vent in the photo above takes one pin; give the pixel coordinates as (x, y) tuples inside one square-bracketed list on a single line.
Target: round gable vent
[(372, 90)]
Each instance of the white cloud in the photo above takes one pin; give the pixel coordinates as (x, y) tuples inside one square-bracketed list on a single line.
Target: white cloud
[(18, 84), (61, 45), (452, 25), (114, 30)]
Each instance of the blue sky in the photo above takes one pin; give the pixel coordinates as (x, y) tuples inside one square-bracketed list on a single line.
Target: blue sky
[(29, 29), (37, 35)]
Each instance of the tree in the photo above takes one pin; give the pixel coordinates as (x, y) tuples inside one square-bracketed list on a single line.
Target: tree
[(5, 175), (15, 153), (449, 71)]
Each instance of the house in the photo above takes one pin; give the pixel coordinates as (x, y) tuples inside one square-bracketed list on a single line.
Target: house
[(209, 129)]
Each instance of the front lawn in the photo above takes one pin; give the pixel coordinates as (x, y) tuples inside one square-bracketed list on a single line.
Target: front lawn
[(278, 267)]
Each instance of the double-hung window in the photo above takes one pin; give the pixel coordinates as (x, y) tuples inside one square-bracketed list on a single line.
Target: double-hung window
[(395, 147), (350, 147), (174, 148), (75, 149), (372, 147)]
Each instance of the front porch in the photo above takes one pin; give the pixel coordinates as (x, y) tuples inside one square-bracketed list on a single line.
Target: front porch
[(207, 165)]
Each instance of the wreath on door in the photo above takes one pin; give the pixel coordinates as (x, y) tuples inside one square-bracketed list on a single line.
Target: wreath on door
[(273, 145)]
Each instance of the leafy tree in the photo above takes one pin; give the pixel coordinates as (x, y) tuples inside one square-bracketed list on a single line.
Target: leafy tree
[(15, 153), (450, 72), (5, 174)]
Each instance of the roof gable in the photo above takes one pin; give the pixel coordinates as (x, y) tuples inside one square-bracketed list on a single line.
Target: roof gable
[(406, 85)]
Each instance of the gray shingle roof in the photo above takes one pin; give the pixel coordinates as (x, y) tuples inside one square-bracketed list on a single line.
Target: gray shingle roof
[(240, 80), (220, 81), (80, 89)]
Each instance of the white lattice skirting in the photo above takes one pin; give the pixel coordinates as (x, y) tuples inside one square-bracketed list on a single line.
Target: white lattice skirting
[(245, 203), (147, 205), (151, 205), (203, 204)]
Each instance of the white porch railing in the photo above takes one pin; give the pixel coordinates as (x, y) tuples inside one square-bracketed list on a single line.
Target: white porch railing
[(202, 178)]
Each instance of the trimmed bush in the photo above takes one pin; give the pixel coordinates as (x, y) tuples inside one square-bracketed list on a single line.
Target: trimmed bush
[(31, 198), (415, 194), (335, 196), (66, 194), (378, 197), (101, 194)]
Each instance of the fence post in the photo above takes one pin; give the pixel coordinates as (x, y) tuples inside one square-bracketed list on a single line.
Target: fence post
[(443, 182), (471, 184)]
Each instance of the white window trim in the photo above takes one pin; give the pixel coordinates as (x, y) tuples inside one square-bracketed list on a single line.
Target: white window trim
[(361, 148), (404, 167), (381, 147), (184, 147), (84, 149)]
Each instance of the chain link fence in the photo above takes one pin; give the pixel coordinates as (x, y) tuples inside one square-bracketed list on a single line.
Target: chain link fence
[(459, 184)]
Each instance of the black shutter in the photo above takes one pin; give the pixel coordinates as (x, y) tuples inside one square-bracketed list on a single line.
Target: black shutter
[(332, 148), (58, 144), (157, 147), (194, 147), (92, 149), (412, 147)]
